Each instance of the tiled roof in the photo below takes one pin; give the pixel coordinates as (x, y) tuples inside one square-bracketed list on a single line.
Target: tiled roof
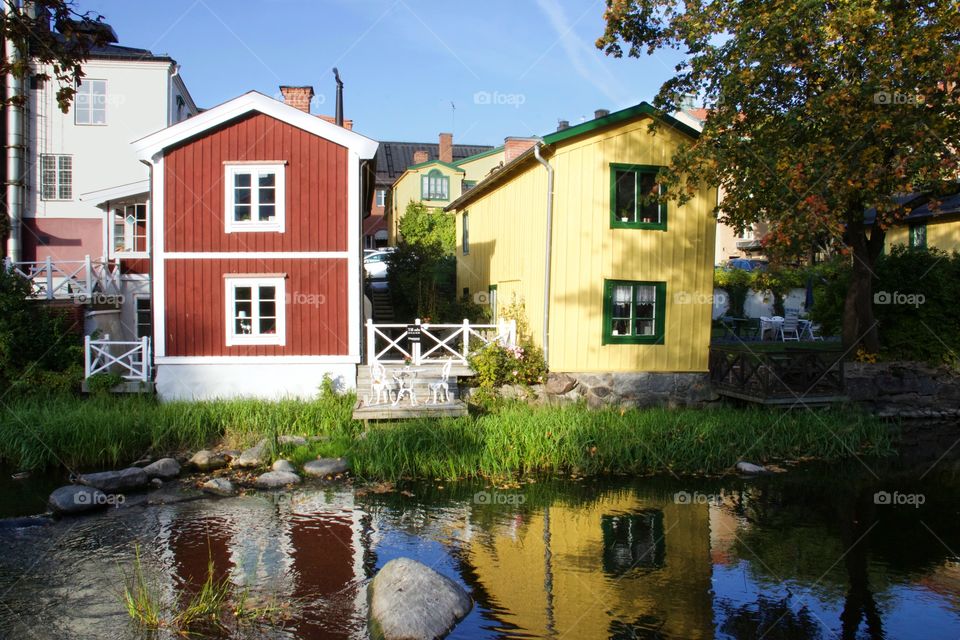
[(393, 158)]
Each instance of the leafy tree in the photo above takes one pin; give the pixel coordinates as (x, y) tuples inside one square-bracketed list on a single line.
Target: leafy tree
[(817, 112), (64, 48), (422, 226)]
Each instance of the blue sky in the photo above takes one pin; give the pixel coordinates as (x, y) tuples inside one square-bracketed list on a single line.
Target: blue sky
[(511, 67)]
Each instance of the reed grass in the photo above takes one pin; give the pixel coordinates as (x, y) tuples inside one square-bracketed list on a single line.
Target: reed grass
[(510, 439)]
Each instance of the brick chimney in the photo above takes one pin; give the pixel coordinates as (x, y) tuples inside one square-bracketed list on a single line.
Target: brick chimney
[(513, 147), (420, 156), (446, 147), (347, 124), (601, 113), (297, 97)]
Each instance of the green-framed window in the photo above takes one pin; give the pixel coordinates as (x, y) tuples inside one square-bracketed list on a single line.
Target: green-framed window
[(633, 193), (434, 186), (918, 235), (465, 233), (633, 312)]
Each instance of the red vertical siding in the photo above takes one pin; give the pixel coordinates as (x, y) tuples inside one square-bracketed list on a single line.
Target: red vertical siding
[(316, 188), (316, 318)]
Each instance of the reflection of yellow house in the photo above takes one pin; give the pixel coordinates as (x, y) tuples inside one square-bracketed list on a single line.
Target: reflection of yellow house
[(629, 280), (601, 569), (437, 183)]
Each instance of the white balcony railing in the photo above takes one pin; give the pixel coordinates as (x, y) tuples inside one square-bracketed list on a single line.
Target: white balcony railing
[(130, 359), (420, 343), (68, 279)]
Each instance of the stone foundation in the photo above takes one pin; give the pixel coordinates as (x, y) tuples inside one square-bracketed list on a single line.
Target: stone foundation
[(626, 390), (904, 389)]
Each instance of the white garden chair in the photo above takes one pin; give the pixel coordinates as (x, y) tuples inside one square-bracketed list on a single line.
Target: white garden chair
[(442, 385), (379, 383), (790, 328)]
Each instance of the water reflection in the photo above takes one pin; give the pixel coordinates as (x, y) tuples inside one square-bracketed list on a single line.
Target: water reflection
[(805, 555)]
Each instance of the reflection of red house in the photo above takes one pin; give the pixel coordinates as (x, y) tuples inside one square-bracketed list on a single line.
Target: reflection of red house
[(256, 259)]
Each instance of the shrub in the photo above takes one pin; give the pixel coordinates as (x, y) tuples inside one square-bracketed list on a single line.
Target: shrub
[(736, 282), (421, 226), (497, 365), (35, 340)]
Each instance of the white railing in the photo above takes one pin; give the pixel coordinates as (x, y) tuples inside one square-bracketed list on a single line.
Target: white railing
[(59, 279), (130, 359), (420, 343)]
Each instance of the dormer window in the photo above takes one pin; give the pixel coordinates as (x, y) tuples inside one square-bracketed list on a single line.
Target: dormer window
[(255, 196), (434, 186)]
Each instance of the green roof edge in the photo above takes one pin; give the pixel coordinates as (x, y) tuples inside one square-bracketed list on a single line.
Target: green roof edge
[(642, 109), (477, 156), (440, 162)]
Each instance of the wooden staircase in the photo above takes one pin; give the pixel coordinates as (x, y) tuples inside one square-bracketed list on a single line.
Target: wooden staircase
[(382, 306)]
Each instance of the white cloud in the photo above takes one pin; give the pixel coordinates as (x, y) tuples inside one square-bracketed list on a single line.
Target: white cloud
[(583, 56)]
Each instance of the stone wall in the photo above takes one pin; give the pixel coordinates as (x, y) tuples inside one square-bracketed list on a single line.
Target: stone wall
[(905, 389), (625, 390)]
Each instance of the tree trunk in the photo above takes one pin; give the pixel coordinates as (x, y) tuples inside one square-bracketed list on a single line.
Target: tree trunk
[(859, 326)]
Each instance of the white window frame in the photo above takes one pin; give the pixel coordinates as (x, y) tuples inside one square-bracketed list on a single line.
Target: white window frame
[(128, 231), (278, 224), (279, 338), (58, 172), (90, 108), (381, 197)]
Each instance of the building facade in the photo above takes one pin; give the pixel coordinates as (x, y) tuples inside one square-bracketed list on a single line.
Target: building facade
[(256, 251)]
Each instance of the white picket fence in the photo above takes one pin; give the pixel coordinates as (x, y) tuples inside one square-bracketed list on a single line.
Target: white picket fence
[(397, 343), (128, 358), (74, 279)]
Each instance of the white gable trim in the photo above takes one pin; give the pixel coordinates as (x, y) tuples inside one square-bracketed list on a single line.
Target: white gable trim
[(146, 148)]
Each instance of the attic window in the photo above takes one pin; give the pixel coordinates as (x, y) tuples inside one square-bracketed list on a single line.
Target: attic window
[(434, 186), (254, 197)]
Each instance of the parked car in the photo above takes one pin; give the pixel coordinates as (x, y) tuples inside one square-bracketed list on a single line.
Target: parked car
[(375, 264), (747, 264)]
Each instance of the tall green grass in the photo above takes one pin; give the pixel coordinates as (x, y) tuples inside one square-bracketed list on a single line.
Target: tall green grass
[(517, 439), (110, 431), (511, 439)]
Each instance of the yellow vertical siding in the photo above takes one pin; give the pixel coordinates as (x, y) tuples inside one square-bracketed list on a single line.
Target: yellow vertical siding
[(507, 229), (943, 235)]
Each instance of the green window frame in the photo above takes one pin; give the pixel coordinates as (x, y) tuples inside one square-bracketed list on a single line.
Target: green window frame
[(918, 235), (629, 314), (465, 233), (434, 186), (628, 184)]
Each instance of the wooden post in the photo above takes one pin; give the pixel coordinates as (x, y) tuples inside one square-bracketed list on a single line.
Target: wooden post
[(49, 278), (371, 342), (415, 348), (144, 356), (466, 340), (86, 356), (88, 264)]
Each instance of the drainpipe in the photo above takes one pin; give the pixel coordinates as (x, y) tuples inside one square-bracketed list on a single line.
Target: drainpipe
[(548, 250), (14, 144)]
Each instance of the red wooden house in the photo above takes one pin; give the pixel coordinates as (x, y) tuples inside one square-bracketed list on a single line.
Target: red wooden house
[(256, 250)]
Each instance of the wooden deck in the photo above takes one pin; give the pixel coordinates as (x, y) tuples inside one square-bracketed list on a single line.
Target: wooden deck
[(404, 411), (784, 377)]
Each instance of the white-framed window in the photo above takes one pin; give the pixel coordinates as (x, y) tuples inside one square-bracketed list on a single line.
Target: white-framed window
[(130, 229), (255, 196), (56, 177), (256, 310), (381, 197), (90, 103)]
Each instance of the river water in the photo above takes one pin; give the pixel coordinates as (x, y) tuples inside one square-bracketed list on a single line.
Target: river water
[(858, 550)]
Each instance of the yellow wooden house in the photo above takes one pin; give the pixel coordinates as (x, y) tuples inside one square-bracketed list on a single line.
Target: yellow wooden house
[(929, 227), (437, 183), (612, 280)]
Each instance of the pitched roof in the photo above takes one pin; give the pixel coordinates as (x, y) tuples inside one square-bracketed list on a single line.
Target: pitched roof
[(252, 101), (641, 110), (393, 158)]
